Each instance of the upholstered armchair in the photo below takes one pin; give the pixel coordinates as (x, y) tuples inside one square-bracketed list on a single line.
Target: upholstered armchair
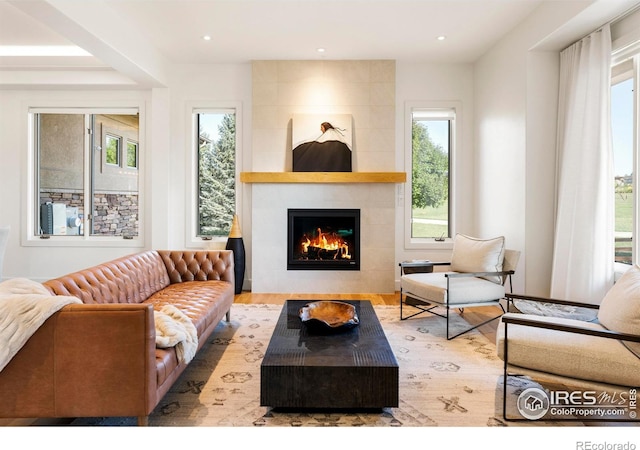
[(601, 353), (475, 277)]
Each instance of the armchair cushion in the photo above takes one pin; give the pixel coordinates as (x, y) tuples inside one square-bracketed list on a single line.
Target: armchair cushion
[(620, 307), (478, 255), (463, 291), (569, 355)]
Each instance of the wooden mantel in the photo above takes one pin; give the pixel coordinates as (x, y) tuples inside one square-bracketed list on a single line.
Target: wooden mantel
[(323, 177)]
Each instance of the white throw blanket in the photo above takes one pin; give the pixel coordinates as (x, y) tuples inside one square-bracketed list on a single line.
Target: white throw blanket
[(24, 307), (174, 328)]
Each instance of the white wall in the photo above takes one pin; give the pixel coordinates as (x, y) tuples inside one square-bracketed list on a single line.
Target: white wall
[(40, 262), (540, 163), (203, 86), (364, 89), (515, 124), (429, 83), (506, 162), (165, 161), (499, 190), (168, 156)]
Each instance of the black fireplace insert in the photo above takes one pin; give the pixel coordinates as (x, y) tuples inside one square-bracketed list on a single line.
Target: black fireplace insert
[(323, 239)]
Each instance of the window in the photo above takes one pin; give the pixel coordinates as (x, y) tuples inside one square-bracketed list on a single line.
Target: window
[(624, 131), (216, 172), (132, 155), (432, 138), (81, 188), (112, 150)]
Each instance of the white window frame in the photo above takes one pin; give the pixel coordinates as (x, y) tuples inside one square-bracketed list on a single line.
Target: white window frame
[(30, 213), (119, 140), (626, 64), (126, 151), (456, 139), (192, 240)]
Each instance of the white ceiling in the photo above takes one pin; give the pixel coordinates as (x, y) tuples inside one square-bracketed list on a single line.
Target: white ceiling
[(153, 33), (352, 29)]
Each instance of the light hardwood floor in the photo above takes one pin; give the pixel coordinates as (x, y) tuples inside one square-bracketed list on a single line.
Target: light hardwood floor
[(474, 315), (279, 299)]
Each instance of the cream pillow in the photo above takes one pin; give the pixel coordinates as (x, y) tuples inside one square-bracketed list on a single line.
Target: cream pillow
[(478, 255), (620, 307)]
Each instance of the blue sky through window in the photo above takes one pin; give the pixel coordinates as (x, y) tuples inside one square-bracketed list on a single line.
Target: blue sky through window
[(439, 133), (210, 122), (622, 127)]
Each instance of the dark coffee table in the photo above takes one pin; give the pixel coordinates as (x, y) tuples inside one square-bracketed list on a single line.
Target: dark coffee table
[(352, 369)]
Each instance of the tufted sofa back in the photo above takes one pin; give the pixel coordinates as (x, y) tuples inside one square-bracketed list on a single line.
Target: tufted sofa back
[(198, 265), (134, 278), (129, 279)]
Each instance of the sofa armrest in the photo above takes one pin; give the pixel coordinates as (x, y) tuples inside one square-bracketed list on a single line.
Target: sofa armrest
[(201, 265), (85, 360), (504, 275), (555, 301), (478, 274), (422, 263), (419, 266), (515, 319)]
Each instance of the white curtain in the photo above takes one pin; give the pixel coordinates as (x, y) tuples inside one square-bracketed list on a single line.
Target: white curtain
[(584, 233)]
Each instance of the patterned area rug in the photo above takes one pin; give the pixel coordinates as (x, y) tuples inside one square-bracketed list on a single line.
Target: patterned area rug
[(442, 383)]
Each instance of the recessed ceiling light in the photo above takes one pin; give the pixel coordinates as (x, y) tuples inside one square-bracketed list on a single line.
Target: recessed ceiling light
[(206, 37), (320, 50), (441, 38), (42, 50)]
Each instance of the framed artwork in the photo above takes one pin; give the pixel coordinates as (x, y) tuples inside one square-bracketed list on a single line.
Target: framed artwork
[(306, 127), (322, 143)]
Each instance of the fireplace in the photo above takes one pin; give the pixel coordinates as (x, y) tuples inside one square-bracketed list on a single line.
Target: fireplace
[(323, 239)]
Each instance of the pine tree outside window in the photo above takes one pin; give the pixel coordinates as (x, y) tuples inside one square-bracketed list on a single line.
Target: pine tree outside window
[(216, 172)]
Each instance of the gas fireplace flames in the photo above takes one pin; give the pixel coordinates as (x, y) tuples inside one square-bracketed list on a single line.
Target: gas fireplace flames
[(324, 246)]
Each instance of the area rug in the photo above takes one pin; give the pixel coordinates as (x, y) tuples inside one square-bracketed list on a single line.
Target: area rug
[(441, 383)]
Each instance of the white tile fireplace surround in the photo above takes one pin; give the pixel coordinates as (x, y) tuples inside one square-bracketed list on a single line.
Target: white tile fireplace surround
[(363, 89), (376, 202)]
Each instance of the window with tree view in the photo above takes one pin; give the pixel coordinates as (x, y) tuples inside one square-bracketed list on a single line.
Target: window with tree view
[(216, 172), (431, 138)]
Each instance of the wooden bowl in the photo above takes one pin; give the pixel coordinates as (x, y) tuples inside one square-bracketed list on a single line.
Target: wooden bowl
[(330, 315)]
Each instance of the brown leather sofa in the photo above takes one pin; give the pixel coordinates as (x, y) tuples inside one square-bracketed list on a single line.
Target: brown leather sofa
[(99, 358)]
